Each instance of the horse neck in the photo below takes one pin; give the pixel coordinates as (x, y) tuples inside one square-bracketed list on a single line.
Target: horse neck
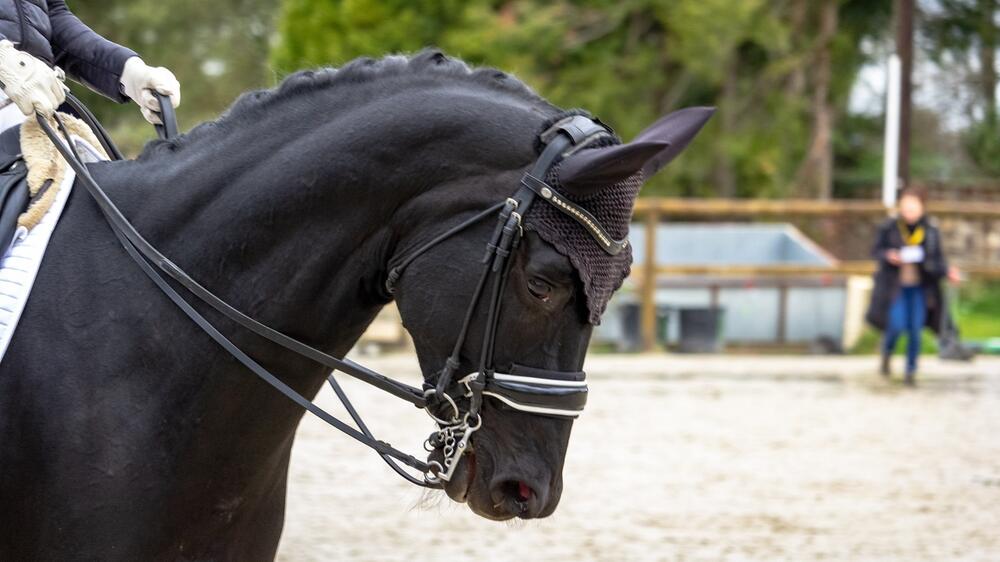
[(290, 256), (296, 229)]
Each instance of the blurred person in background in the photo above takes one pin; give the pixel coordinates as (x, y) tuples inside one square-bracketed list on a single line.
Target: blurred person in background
[(911, 265), (39, 39)]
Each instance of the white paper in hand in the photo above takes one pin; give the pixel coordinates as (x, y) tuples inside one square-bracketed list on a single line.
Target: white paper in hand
[(911, 254)]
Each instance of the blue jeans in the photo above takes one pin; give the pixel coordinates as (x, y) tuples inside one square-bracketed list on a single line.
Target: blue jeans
[(908, 313)]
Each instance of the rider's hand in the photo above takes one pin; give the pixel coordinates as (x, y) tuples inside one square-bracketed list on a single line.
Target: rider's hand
[(139, 81), (29, 82), (893, 257)]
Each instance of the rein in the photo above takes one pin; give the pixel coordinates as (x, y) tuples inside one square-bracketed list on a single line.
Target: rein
[(531, 390)]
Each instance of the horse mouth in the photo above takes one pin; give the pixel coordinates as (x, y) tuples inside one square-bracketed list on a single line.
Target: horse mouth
[(462, 488), (461, 482)]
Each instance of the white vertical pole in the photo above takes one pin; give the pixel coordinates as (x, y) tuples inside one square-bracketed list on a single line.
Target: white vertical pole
[(890, 166)]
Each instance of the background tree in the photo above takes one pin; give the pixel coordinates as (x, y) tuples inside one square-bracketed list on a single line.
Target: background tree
[(962, 38), (630, 62), (780, 71), (218, 49)]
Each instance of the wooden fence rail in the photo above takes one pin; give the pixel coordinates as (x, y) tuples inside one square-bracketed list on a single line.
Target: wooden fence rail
[(800, 207), (840, 269), (651, 210)]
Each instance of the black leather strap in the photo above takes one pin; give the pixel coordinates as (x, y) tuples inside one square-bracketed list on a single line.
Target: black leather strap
[(543, 396), (102, 134), (396, 271), (168, 129), (569, 376), (577, 213), (580, 129)]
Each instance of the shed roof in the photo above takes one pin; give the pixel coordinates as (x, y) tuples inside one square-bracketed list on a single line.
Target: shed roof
[(729, 244)]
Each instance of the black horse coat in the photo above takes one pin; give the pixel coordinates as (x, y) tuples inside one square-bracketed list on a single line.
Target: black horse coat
[(887, 284), (127, 434)]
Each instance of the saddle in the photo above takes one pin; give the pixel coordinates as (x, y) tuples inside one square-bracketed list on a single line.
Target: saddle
[(14, 192)]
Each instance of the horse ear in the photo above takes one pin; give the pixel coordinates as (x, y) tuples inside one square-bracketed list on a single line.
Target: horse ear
[(589, 171), (678, 130)]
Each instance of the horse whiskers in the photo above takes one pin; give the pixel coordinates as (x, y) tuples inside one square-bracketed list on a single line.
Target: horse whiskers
[(428, 499), (517, 523)]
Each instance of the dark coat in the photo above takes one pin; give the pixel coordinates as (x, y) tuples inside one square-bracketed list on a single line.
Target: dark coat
[(887, 286), (48, 30)]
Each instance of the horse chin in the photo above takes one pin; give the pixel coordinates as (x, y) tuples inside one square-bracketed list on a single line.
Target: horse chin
[(463, 488)]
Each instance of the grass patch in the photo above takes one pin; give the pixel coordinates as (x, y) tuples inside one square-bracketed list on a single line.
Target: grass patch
[(977, 313)]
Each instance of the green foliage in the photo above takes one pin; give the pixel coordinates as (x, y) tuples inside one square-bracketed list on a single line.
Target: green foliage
[(871, 342), (323, 33), (962, 38), (982, 141), (628, 62), (982, 300), (858, 146), (217, 49), (976, 311)]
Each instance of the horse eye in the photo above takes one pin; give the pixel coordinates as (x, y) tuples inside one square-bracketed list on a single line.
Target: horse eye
[(539, 289)]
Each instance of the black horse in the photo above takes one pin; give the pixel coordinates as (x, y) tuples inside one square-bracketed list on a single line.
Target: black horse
[(127, 434)]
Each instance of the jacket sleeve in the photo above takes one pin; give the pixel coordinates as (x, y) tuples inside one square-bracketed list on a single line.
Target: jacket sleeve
[(935, 264), (85, 55), (882, 241)]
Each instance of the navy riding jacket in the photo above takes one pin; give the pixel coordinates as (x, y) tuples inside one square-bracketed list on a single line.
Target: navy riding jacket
[(48, 30)]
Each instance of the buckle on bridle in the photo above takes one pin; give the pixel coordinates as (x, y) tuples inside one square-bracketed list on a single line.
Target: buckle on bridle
[(453, 435), (453, 442)]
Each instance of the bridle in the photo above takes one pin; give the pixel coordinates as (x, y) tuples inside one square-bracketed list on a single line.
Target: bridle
[(454, 404), (536, 391)]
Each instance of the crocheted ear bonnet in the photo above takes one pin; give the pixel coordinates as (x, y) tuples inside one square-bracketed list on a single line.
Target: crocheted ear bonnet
[(601, 273)]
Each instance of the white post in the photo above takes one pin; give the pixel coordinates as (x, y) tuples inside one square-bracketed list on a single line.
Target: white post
[(890, 166)]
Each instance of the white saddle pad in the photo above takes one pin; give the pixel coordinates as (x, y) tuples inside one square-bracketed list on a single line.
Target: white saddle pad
[(22, 260)]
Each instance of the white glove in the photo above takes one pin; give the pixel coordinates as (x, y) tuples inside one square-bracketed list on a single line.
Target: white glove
[(29, 82), (139, 81)]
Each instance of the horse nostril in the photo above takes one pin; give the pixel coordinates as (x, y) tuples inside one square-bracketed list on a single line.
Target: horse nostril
[(517, 497), (524, 491)]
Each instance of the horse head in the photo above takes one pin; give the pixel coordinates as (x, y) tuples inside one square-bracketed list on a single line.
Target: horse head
[(557, 283)]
